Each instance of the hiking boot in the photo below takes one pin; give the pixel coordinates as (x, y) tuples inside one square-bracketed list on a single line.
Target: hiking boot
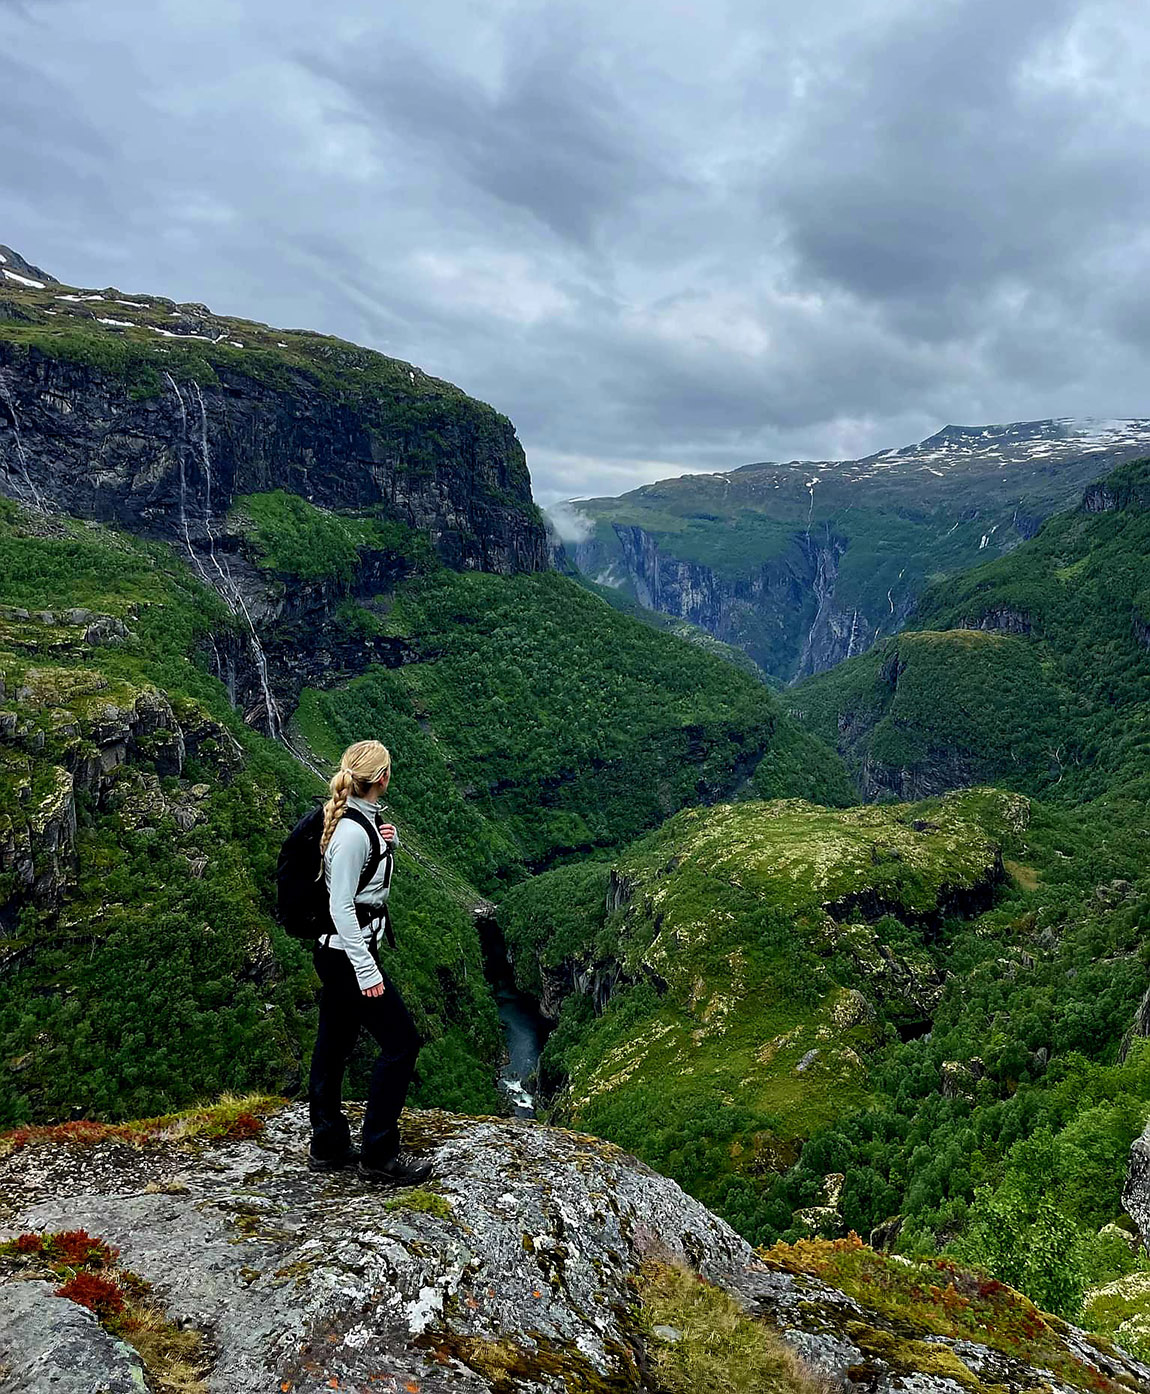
[(346, 1159), (404, 1169)]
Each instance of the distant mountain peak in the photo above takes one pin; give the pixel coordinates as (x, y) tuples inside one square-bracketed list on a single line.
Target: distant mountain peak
[(13, 267), (804, 563)]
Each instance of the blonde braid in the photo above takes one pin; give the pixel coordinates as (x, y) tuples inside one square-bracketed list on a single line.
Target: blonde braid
[(341, 785), (363, 764)]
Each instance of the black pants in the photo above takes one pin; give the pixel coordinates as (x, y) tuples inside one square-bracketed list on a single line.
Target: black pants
[(343, 1009)]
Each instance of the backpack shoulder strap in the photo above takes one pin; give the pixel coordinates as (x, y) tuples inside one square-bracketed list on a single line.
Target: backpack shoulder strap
[(375, 842)]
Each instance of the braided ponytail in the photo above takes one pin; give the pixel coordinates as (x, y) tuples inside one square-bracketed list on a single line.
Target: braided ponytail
[(362, 765), (341, 785)]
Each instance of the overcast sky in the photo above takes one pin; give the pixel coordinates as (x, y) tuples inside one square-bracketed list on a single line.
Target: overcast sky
[(662, 235)]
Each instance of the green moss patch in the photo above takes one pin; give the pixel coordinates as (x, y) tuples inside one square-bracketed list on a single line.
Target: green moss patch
[(422, 1202), (699, 1338)]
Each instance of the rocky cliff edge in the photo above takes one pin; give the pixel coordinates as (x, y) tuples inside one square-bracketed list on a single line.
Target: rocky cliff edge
[(526, 1265)]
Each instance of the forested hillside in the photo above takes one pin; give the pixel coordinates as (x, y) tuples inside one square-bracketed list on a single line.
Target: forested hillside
[(529, 721), (821, 1021), (1032, 671)]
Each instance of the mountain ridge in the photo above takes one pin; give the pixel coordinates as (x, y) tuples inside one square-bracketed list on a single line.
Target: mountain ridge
[(136, 410), (805, 563)]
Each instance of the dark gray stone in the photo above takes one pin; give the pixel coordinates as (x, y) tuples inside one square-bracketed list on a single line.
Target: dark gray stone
[(49, 1345)]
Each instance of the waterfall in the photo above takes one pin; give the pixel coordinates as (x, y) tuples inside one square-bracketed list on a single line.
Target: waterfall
[(239, 606), (183, 514), (823, 585), (21, 457), (223, 583)]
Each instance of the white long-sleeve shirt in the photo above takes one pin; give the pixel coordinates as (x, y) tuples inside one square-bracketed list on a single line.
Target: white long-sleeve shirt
[(343, 864)]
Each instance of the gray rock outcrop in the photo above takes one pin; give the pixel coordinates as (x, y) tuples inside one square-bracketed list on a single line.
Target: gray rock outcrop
[(517, 1270), (1136, 1191), (49, 1345)]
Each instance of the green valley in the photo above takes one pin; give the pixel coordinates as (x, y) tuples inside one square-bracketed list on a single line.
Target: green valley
[(867, 955)]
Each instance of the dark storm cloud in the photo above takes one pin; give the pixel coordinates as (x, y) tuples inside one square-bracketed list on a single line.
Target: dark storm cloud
[(661, 236)]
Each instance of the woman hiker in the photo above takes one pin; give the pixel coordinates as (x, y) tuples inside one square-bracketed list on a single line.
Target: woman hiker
[(356, 991)]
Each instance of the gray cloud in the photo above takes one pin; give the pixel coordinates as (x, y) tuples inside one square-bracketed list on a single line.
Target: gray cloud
[(551, 139), (661, 238)]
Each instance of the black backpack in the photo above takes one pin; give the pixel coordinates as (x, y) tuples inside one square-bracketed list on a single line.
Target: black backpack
[(301, 894)]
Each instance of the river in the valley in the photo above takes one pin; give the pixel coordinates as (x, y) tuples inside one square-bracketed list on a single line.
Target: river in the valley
[(524, 1030)]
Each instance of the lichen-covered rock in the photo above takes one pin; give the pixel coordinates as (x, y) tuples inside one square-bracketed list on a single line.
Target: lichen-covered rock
[(1136, 1191), (519, 1268), (49, 1345)]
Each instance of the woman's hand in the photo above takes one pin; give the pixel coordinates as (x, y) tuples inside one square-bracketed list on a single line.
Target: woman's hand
[(376, 991), (387, 832)]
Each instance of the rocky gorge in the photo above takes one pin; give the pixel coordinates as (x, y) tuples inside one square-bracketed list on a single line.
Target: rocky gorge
[(229, 551)]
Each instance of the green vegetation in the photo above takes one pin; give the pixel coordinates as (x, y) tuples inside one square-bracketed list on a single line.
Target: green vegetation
[(538, 723), (700, 1338), (929, 709), (735, 1028), (527, 694), (423, 1202), (1003, 1130), (619, 599), (146, 972), (290, 535), (1057, 703), (1120, 1311)]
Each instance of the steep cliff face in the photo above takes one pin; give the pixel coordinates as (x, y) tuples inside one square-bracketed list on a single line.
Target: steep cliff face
[(155, 416), (806, 564), (1029, 670), (786, 602), (537, 1262)]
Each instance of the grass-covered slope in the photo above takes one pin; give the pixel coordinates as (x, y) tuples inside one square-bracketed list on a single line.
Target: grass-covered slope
[(1032, 671), (1005, 1130), (903, 1019), (729, 977), (536, 722), (139, 966)]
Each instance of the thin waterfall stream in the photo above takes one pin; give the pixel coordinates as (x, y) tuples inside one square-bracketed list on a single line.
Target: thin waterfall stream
[(21, 457), (224, 583)]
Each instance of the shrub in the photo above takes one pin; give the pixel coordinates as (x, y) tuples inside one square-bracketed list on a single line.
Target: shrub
[(100, 1295)]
